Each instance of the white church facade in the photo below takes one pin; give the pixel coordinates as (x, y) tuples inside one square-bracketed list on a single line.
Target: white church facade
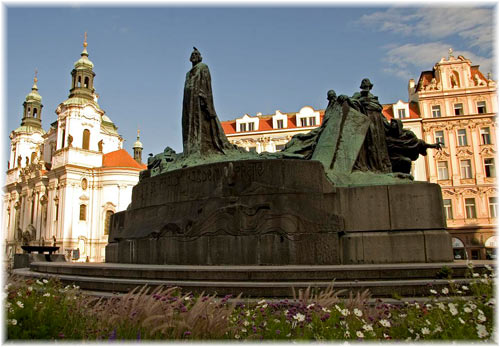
[(63, 185)]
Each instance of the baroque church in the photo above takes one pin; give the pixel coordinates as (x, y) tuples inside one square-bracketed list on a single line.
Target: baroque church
[(63, 184)]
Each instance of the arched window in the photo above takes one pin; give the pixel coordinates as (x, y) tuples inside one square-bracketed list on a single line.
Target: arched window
[(34, 112), (79, 81), (83, 212), (29, 111), (86, 139), (107, 222), (86, 82), (63, 141)]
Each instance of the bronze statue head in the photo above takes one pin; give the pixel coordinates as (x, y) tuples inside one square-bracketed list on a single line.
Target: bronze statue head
[(331, 95), (366, 84), (195, 56)]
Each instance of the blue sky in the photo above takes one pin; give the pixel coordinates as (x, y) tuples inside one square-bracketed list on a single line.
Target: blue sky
[(262, 59)]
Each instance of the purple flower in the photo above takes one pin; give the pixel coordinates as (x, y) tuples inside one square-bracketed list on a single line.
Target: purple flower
[(278, 331), (113, 335), (325, 317), (187, 333), (61, 335), (139, 335)]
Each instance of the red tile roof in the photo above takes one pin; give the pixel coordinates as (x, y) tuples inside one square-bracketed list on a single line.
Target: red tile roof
[(121, 158)]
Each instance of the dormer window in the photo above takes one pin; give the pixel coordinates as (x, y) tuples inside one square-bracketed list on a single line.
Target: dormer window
[(307, 117), (247, 123), (279, 124), (303, 122), (312, 121), (243, 127), (280, 120), (402, 113)]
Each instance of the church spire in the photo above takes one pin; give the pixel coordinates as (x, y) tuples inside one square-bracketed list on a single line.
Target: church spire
[(83, 76), (138, 148), (32, 114)]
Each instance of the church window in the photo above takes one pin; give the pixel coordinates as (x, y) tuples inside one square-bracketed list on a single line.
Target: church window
[(485, 136), (107, 222), (63, 138), (459, 109), (29, 111), (86, 82), (79, 81), (86, 139), (83, 212), (481, 107), (470, 208), (57, 212), (448, 211), (35, 114), (489, 167), (436, 111)]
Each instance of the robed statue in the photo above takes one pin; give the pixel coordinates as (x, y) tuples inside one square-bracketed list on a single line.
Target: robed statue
[(202, 133)]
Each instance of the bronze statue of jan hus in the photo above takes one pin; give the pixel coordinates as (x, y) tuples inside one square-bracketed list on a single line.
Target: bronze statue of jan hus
[(202, 133)]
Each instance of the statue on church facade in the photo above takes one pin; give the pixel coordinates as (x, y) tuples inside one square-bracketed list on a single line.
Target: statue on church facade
[(202, 133)]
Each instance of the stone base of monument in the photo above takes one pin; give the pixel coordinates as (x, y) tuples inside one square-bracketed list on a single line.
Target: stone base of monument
[(276, 212)]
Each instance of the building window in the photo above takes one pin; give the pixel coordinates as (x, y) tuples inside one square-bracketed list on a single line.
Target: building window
[(481, 107), (462, 137), (470, 208), (312, 121), (448, 211), (489, 167), (442, 170), (57, 212), (485, 136), (32, 210), (402, 113), (436, 111), (86, 139), (107, 222), (493, 207), (83, 212), (279, 124), (251, 126), (63, 138), (439, 137), (303, 122), (465, 169), (243, 126), (86, 82), (459, 109)]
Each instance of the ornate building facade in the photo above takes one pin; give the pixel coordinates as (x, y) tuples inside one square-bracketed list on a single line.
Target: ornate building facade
[(63, 185), (454, 104)]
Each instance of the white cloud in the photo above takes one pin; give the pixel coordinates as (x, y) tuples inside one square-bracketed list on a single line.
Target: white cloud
[(474, 25), (407, 60)]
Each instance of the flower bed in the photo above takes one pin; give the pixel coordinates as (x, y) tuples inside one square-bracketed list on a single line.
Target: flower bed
[(47, 310)]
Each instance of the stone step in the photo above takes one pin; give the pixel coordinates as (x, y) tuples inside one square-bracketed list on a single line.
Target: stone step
[(378, 288), (255, 273)]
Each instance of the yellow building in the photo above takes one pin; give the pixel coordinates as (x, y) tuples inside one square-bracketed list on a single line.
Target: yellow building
[(454, 104)]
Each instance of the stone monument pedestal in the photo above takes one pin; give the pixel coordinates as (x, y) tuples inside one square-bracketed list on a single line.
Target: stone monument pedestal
[(276, 212)]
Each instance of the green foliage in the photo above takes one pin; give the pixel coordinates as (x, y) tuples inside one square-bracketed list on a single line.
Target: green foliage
[(444, 272), (46, 310)]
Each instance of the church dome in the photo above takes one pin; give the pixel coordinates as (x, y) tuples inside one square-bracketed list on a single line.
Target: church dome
[(84, 62), (137, 144), (33, 95)]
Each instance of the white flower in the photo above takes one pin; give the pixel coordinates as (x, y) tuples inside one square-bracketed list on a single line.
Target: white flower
[(13, 321), (299, 317), (385, 336), (337, 308), (30, 289), (481, 331), (277, 321), (433, 291), (347, 334), (488, 267), (479, 310), (286, 312), (427, 321), (325, 309), (345, 312), (402, 315), (38, 282), (438, 329), (247, 313), (264, 306), (491, 302), (76, 287), (475, 274), (309, 306), (453, 309), (360, 334), (441, 306), (481, 318), (385, 323), (263, 301), (246, 323), (358, 312), (425, 331), (410, 330), (7, 286), (236, 336), (461, 320), (243, 330), (367, 327), (20, 304), (484, 280), (45, 281), (445, 291), (465, 288), (470, 265), (472, 305), (46, 294), (289, 334), (187, 298), (428, 306)]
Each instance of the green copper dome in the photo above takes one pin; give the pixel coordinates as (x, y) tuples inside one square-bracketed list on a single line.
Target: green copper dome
[(84, 62), (33, 95)]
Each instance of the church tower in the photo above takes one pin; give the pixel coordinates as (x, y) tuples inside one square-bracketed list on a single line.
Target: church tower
[(138, 149), (26, 140), (82, 84)]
